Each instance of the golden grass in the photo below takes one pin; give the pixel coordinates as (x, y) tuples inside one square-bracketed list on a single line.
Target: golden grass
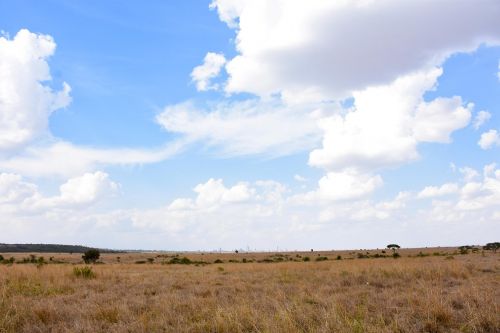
[(429, 294)]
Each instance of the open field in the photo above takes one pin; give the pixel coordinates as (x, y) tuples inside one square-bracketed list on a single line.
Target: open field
[(444, 292)]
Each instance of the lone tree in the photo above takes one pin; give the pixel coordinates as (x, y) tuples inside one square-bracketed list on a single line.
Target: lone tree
[(393, 247), (492, 246), (91, 256)]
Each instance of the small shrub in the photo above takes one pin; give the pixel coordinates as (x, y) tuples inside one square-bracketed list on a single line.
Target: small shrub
[(396, 255), (218, 261), (84, 272), (181, 261), (321, 258), (338, 257), (266, 260), (140, 262), (151, 260), (306, 259)]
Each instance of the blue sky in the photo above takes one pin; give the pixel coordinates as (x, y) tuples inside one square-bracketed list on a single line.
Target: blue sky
[(227, 124)]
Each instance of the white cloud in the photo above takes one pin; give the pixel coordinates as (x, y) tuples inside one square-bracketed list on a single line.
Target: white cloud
[(437, 191), (84, 190), (244, 127), (436, 120), (216, 206), (273, 211), (26, 101), (21, 197), (299, 178), (489, 139), (290, 46), (481, 118), (364, 210), (13, 189), (213, 193), (476, 200), (481, 195), (260, 214), (65, 159), (211, 67), (468, 173), (386, 123), (338, 186)]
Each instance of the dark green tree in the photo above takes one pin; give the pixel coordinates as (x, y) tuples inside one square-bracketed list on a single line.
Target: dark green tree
[(492, 246), (91, 256), (394, 248)]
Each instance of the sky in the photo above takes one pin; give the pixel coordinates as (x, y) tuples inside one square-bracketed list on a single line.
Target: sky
[(248, 124)]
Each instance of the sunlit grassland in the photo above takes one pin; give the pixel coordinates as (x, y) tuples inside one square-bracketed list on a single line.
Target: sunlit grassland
[(434, 293)]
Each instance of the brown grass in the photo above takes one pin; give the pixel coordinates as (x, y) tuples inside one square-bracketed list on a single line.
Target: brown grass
[(410, 294)]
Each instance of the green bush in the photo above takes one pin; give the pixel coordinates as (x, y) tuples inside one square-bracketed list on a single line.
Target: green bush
[(218, 261), (84, 272), (91, 256), (306, 259), (321, 258), (492, 246), (182, 261)]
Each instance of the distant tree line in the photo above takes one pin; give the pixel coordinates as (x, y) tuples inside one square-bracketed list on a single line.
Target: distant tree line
[(48, 248)]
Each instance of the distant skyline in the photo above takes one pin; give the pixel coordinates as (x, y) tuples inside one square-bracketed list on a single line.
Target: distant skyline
[(199, 125)]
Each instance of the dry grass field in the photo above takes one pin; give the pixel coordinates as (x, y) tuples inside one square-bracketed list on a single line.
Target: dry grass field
[(437, 290)]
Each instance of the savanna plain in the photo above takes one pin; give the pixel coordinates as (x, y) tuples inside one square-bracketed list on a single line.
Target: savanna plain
[(421, 290)]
